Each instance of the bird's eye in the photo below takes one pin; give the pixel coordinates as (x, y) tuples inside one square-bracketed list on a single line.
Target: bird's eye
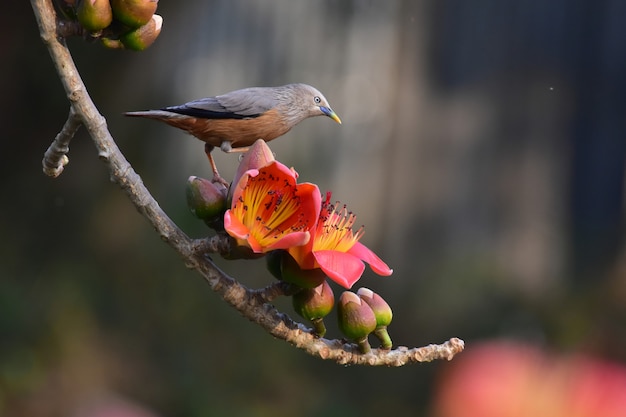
[(317, 100)]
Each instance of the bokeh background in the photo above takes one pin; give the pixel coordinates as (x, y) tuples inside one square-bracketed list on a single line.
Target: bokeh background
[(483, 147)]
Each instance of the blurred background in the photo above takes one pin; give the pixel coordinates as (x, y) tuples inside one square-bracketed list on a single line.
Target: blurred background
[(483, 148)]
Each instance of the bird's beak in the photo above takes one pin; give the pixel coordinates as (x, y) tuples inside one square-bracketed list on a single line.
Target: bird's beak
[(330, 113)]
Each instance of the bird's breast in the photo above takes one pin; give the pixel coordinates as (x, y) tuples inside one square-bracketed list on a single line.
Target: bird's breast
[(240, 132)]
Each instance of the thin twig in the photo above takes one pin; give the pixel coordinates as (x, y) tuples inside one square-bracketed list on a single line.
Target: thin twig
[(55, 158), (252, 304)]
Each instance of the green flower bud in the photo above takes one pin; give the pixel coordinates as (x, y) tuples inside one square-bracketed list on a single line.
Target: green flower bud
[(356, 319), (134, 13), (141, 38), (314, 304), (383, 314), (206, 199), (94, 15), (241, 252), (291, 272), (274, 260)]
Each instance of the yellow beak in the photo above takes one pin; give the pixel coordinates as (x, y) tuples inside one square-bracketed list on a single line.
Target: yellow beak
[(330, 113)]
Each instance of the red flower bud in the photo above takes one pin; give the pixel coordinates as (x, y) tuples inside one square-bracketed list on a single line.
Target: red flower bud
[(206, 199), (314, 304), (356, 319), (383, 314)]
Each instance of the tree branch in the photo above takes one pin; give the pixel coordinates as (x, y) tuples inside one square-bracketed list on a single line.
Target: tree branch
[(252, 304)]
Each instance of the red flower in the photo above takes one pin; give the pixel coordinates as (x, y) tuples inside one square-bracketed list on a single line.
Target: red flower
[(510, 379), (269, 211), (335, 248)]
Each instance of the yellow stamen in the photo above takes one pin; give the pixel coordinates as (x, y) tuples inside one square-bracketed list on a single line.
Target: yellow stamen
[(335, 230), (266, 206)]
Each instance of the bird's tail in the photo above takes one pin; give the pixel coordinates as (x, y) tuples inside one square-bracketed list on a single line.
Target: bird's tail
[(151, 114)]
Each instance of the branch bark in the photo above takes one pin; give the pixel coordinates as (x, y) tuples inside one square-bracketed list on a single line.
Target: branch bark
[(252, 304)]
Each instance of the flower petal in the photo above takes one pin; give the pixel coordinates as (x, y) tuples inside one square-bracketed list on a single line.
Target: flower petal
[(270, 211), (310, 202), (289, 240), (240, 232), (258, 156), (235, 227), (343, 268), (236, 188), (363, 252), (304, 255)]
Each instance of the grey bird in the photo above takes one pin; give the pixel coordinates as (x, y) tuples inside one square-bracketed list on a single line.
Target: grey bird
[(234, 121)]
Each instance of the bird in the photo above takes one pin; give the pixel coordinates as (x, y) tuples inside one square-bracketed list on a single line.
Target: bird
[(235, 120)]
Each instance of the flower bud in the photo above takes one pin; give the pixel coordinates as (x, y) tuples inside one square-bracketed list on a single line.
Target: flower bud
[(111, 43), (206, 199), (314, 304), (94, 15), (142, 37), (382, 312), (273, 261), (258, 156), (291, 272), (134, 13), (241, 252), (356, 319)]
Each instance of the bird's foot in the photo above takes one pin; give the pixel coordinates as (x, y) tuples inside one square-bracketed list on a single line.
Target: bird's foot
[(216, 175), (217, 178)]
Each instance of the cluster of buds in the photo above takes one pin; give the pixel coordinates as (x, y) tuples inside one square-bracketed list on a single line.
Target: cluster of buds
[(359, 314), (364, 313), (119, 24), (306, 241)]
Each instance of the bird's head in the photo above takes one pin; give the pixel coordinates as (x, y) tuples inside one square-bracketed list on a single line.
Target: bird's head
[(313, 103)]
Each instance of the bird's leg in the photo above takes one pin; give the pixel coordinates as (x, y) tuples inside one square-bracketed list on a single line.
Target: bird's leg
[(216, 175), (228, 148)]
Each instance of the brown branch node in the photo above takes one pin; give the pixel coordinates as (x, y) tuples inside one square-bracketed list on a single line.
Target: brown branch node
[(55, 158)]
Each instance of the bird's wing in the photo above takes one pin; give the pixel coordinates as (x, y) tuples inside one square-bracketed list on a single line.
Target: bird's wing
[(240, 104)]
